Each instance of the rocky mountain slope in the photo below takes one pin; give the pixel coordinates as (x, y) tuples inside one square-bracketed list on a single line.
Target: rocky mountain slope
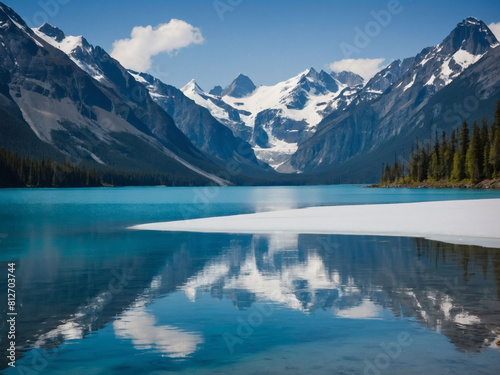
[(390, 120), (61, 97), (275, 119), (79, 104), (202, 129)]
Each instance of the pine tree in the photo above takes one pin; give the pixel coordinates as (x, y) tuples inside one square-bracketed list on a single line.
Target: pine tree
[(31, 176), (485, 140), (414, 162), (495, 154), (423, 164), (387, 177), (436, 168), (474, 155), (447, 161), (462, 152), (495, 144), (455, 172)]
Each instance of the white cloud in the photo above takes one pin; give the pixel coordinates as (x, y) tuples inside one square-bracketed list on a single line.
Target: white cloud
[(495, 29), (366, 68), (366, 310), (145, 42), (141, 327)]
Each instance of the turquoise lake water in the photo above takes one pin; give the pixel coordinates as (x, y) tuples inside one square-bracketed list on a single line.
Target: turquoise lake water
[(93, 297)]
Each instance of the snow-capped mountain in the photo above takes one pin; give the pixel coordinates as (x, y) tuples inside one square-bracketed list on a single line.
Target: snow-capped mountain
[(195, 122), (437, 66), (64, 98), (61, 97), (440, 64), (389, 108), (275, 119), (348, 78), (242, 86), (199, 125), (76, 47), (387, 76)]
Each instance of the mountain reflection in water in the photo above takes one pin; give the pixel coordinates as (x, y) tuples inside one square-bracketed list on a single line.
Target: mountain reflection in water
[(450, 289)]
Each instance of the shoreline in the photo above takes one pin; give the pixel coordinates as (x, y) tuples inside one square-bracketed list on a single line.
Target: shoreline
[(486, 184)]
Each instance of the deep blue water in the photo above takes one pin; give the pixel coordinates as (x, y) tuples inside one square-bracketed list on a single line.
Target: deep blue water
[(96, 298)]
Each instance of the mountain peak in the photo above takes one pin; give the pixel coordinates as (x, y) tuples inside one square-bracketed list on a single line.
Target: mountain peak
[(217, 91), (470, 21), (311, 73), (348, 78), (74, 46), (52, 31), (240, 87), (192, 86), (471, 35)]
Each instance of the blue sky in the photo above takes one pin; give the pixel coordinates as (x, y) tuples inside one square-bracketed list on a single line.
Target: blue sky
[(268, 40)]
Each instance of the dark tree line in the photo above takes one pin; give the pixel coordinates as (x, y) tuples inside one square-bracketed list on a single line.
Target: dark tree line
[(468, 155), (17, 171)]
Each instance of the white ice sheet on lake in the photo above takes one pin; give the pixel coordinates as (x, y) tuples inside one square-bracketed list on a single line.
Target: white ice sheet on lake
[(469, 222)]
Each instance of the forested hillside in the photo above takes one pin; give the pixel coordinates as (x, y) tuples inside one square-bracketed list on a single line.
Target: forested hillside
[(468, 155)]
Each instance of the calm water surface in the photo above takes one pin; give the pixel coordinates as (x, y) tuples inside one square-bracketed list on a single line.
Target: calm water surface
[(96, 298)]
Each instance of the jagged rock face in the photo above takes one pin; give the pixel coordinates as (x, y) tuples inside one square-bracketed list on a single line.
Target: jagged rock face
[(389, 116), (311, 83), (216, 91), (386, 77), (471, 35), (53, 32), (274, 119), (348, 78), (198, 124), (240, 87), (105, 118), (81, 102)]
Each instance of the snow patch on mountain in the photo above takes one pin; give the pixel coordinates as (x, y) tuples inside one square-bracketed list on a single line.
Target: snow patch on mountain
[(283, 114), (411, 83), (465, 59), (19, 24), (72, 46), (151, 88), (196, 93), (461, 60), (431, 80), (139, 78), (68, 45), (280, 97)]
